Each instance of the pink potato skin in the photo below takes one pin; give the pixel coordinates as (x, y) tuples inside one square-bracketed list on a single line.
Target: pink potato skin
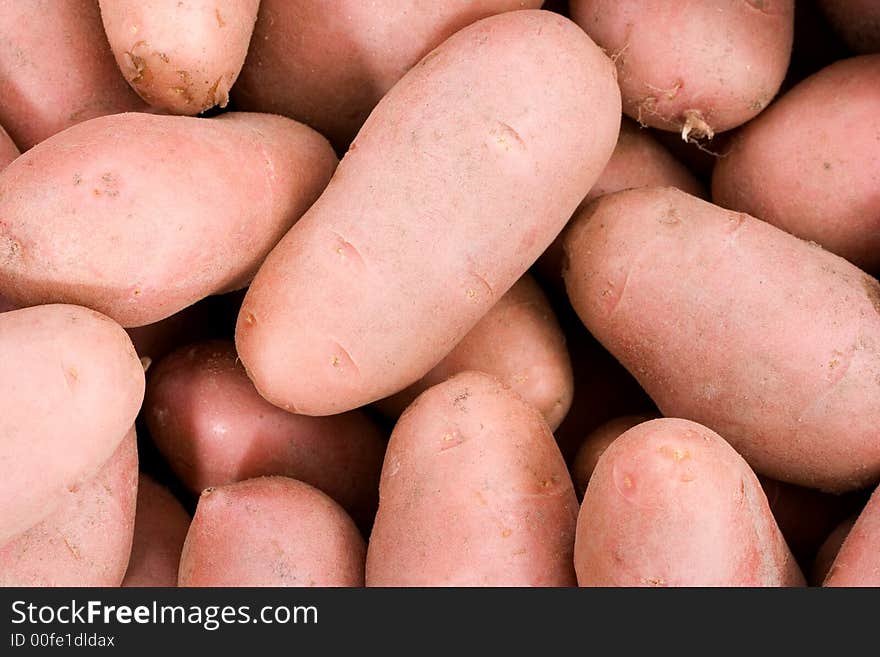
[(594, 446), (670, 503), (829, 550), (213, 428), (271, 531), (180, 57), (328, 64), (56, 69), (72, 386), (638, 160), (858, 561), (720, 62), (856, 21), (139, 215), (834, 196), (87, 539), (474, 492), (437, 209), (160, 528), (520, 343), (724, 319)]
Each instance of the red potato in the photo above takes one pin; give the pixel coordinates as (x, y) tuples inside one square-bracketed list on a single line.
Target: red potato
[(87, 539), (520, 343), (857, 22), (638, 160), (724, 319), (694, 66), (8, 149), (594, 446), (56, 69), (160, 528), (474, 492), (181, 57), (438, 208), (829, 550), (858, 561), (672, 504), (214, 429), (834, 196), (271, 532), (72, 386), (328, 64), (139, 216)]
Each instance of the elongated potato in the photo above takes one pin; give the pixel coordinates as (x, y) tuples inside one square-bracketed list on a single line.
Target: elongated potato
[(327, 64), (474, 492), (160, 528), (693, 66), (87, 540), (181, 57), (726, 320), (56, 69), (858, 561), (856, 21), (829, 550), (440, 205), (8, 149), (271, 531), (638, 161), (214, 429), (520, 343), (791, 168), (672, 504), (139, 216), (72, 386)]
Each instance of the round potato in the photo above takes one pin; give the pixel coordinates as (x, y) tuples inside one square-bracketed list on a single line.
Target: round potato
[(474, 492), (180, 57), (440, 205), (328, 63), (271, 531), (139, 216), (790, 167), (56, 69), (694, 66), (670, 503), (770, 341), (213, 428), (160, 527), (858, 561), (87, 539), (520, 343), (72, 386)]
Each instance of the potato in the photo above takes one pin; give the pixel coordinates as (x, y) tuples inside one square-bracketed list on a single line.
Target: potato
[(440, 205), (160, 528), (87, 540), (695, 66), (56, 69), (72, 386), (857, 22), (858, 561), (672, 504), (181, 57), (519, 342), (327, 64), (8, 149), (214, 429), (638, 160), (139, 216), (791, 167), (828, 552), (728, 321), (594, 446), (271, 531), (474, 492)]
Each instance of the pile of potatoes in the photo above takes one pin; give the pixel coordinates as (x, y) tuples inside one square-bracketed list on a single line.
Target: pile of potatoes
[(416, 293)]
